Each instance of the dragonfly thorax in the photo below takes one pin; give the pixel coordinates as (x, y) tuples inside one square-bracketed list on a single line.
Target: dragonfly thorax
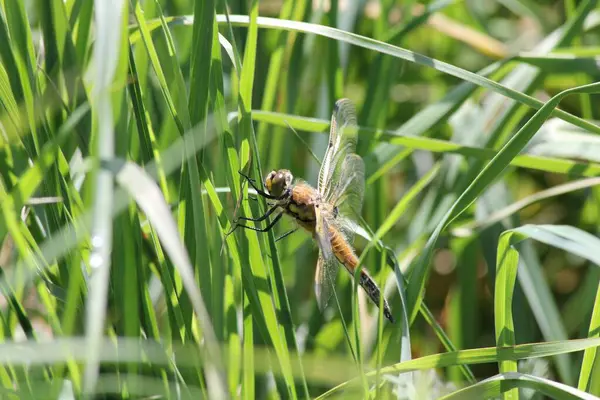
[(277, 182), (329, 211)]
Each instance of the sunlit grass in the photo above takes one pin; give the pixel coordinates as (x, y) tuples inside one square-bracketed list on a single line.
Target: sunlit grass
[(125, 124)]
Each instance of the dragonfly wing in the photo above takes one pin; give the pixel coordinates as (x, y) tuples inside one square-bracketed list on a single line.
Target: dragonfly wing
[(348, 193), (327, 263), (343, 135), (324, 276)]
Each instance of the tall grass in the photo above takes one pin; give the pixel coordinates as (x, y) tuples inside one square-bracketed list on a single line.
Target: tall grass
[(125, 124)]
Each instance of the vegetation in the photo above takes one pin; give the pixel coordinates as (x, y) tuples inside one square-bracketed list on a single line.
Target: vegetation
[(125, 123)]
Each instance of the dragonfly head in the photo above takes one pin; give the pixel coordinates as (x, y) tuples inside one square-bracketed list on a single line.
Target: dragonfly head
[(277, 182)]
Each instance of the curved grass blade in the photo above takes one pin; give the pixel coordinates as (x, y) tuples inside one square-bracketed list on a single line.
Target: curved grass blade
[(559, 139), (325, 370), (66, 238), (560, 63), (549, 164), (568, 238), (497, 216), (264, 304), (109, 69), (501, 383), (150, 199), (479, 356), (488, 175), (381, 47)]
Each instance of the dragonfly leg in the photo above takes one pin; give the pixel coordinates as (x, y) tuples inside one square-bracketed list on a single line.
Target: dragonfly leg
[(269, 212), (264, 194), (288, 233), (265, 229)]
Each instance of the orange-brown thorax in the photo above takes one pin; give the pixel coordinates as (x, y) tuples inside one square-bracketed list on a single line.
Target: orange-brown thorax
[(301, 206)]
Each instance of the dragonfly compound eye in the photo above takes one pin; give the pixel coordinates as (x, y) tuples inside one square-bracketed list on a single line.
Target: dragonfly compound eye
[(277, 182), (269, 181)]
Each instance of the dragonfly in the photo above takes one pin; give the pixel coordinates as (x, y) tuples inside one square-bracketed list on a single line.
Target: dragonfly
[(330, 213)]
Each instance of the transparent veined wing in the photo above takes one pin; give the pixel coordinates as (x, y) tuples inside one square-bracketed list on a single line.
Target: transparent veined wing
[(327, 264), (342, 141), (324, 278), (348, 193)]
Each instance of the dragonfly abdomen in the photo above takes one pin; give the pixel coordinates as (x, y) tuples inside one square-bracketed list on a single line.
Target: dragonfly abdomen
[(344, 253), (342, 250)]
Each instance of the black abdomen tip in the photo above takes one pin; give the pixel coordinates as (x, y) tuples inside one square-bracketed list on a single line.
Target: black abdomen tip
[(388, 315)]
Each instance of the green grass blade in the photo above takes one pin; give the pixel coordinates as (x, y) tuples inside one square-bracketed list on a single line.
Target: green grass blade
[(150, 199), (398, 52), (480, 356), (567, 238), (108, 70), (500, 384), (257, 266), (497, 216), (381, 47), (548, 164), (490, 172)]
